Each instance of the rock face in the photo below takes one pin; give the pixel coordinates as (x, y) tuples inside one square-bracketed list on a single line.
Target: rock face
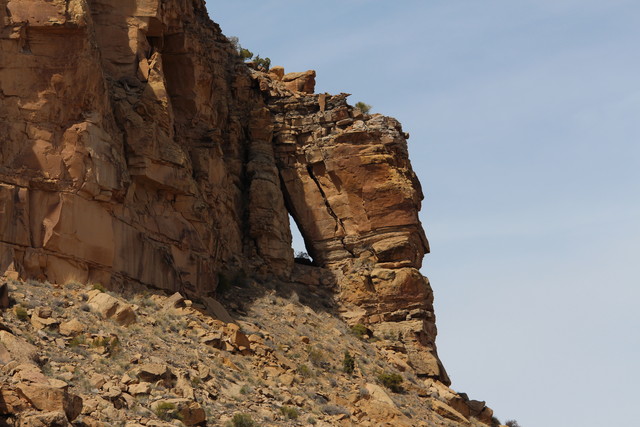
[(133, 148), (137, 148), (349, 186)]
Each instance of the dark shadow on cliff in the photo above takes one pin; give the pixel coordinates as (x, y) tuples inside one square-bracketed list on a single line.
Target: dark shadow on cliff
[(238, 294)]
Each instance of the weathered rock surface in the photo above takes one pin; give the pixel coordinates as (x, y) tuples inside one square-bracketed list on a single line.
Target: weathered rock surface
[(132, 148), (158, 370), (349, 186), (136, 148)]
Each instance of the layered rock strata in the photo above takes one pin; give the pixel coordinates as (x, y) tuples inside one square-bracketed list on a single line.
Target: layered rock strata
[(349, 186), (137, 148), (133, 148)]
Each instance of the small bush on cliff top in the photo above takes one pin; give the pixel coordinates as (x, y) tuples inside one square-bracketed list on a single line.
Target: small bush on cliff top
[(263, 63), (247, 55), (511, 423), (365, 108)]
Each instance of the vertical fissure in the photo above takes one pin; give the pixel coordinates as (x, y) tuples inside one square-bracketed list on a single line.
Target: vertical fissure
[(339, 224)]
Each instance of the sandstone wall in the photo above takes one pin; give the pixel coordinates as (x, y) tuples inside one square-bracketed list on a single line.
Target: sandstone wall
[(349, 185), (133, 147), (136, 147)]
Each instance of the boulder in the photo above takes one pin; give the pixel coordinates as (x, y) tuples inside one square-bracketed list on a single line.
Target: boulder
[(304, 81), (110, 307), (190, 412), (379, 395), (15, 348), (52, 396), (217, 310), (11, 401), (71, 328), (174, 301), (42, 318), (447, 411), (42, 419), (236, 337), (140, 388), (152, 372)]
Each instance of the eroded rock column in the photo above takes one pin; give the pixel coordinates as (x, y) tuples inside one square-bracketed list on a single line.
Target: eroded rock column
[(349, 185)]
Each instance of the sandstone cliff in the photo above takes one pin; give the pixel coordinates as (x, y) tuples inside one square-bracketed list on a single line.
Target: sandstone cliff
[(134, 148), (137, 149)]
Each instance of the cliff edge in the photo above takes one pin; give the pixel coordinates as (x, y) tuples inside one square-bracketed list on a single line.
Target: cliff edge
[(139, 151)]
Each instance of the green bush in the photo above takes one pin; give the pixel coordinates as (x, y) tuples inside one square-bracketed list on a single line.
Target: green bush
[(391, 380), (99, 287), (263, 63), (316, 356), (290, 412), (245, 54), (21, 313), (359, 330), (242, 420), (167, 411), (365, 108), (304, 371), (348, 363), (77, 341)]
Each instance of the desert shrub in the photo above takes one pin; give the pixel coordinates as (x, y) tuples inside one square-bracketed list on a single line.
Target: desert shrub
[(245, 54), (167, 411), (99, 287), (304, 371), (263, 63), (242, 52), (100, 342), (359, 330), (290, 412), (348, 363), (242, 420), (21, 313), (316, 356), (391, 380), (311, 420), (78, 340), (511, 423), (365, 108)]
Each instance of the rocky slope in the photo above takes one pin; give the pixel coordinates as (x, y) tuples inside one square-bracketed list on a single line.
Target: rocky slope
[(74, 353), (139, 152)]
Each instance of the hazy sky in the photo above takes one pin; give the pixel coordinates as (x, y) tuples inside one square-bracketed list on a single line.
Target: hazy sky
[(525, 133)]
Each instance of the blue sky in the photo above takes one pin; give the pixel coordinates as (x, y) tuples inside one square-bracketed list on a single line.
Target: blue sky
[(525, 133)]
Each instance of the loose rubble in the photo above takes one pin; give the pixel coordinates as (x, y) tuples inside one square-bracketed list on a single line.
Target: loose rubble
[(279, 363)]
